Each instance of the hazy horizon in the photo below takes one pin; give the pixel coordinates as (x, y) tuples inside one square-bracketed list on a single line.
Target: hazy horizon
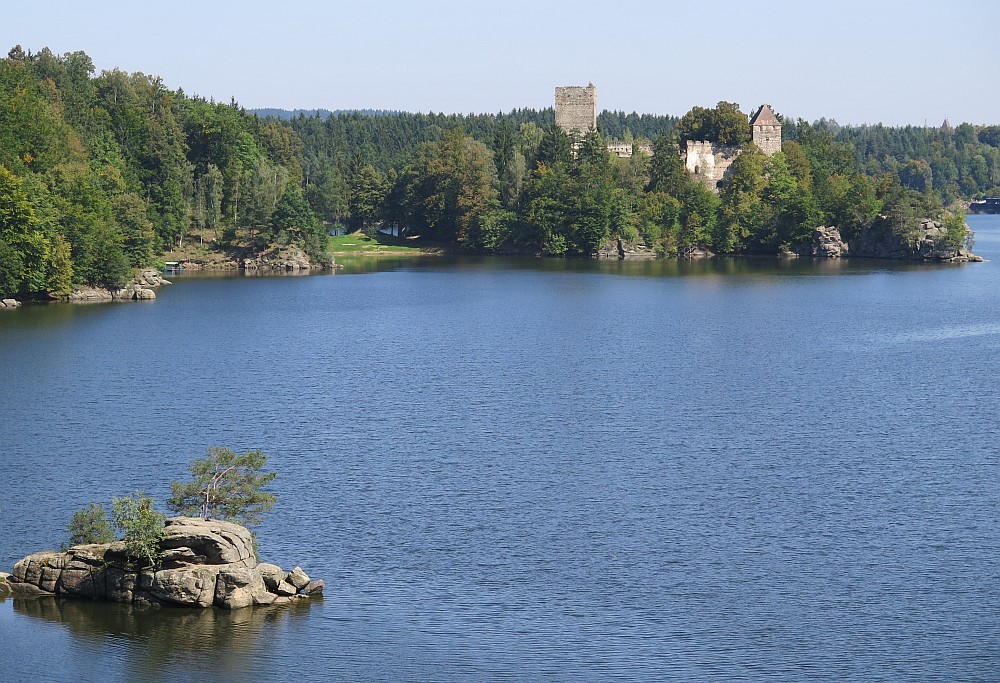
[(888, 61)]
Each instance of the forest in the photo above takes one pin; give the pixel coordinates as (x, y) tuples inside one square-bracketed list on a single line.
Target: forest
[(102, 173)]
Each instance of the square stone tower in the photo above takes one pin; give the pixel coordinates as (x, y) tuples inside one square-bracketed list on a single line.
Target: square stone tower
[(576, 108), (766, 129)]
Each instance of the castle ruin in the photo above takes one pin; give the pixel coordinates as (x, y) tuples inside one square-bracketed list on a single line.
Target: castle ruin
[(576, 108), (766, 130), (576, 114), (711, 162)]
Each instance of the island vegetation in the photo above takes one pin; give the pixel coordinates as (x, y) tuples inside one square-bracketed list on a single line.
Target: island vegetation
[(101, 174), (204, 556)]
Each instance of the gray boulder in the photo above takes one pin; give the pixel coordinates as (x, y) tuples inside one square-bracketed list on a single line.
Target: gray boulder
[(272, 574), (217, 541), (298, 578), (187, 587), (238, 588)]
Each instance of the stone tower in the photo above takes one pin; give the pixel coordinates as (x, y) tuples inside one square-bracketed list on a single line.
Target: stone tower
[(576, 108), (766, 129)]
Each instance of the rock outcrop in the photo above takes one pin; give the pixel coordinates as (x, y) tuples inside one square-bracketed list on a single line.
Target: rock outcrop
[(625, 251), (9, 303), (927, 243), (827, 243), (288, 259), (203, 563), (140, 287)]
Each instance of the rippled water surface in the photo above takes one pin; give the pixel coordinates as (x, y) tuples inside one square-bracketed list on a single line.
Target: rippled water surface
[(538, 470)]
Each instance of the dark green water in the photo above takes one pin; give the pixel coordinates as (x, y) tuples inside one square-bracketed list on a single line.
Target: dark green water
[(538, 470)]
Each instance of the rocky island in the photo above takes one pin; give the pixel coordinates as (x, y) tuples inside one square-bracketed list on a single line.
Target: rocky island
[(202, 563)]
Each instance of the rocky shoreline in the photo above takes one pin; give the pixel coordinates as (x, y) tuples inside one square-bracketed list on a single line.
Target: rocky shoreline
[(927, 245), (140, 288), (203, 563)]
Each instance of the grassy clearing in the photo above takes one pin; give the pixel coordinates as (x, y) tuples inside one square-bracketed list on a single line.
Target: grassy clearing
[(360, 243)]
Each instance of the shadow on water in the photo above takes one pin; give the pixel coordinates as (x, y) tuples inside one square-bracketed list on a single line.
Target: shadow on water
[(154, 640), (665, 267)]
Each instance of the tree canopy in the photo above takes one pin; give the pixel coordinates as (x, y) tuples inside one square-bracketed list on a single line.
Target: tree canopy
[(225, 486)]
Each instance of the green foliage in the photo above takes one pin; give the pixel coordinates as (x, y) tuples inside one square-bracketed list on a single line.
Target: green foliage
[(99, 173), (225, 486), (141, 527), (958, 235), (450, 186), (90, 525), (725, 125), (555, 146)]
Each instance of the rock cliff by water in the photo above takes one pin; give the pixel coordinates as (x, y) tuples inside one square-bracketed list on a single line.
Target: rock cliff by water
[(927, 243), (203, 563), (141, 287)]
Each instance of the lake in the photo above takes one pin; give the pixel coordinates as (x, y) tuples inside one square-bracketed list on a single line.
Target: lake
[(538, 470)]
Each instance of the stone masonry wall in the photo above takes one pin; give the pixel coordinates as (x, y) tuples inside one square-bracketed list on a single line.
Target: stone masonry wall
[(768, 138), (576, 108), (709, 163)]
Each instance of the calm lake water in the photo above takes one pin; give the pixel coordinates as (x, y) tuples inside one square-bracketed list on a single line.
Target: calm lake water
[(538, 470)]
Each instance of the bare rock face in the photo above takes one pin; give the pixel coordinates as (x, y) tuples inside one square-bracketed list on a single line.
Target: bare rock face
[(188, 587), (289, 259), (925, 242), (204, 563), (190, 540), (827, 243), (140, 287)]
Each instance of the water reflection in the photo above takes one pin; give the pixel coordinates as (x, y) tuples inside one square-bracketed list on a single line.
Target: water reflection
[(667, 267), (152, 642)]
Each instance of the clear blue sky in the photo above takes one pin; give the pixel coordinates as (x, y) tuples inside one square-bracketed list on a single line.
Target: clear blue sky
[(856, 61)]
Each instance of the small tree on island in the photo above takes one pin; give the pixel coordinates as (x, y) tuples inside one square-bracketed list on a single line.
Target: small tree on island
[(90, 525), (141, 526), (226, 486)]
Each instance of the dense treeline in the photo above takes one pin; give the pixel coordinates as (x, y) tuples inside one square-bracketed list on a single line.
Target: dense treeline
[(101, 173), (948, 163), (517, 184)]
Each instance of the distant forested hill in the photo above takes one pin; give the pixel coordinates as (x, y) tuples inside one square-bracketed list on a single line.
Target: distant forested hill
[(286, 114), (100, 173)]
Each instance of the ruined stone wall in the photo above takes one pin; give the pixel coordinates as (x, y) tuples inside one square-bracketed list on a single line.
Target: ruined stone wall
[(624, 150), (576, 108), (768, 138), (709, 162)]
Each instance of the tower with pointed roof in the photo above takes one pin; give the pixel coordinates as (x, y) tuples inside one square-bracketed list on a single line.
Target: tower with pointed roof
[(766, 129)]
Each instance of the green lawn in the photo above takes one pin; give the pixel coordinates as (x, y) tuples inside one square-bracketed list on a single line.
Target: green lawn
[(359, 243)]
